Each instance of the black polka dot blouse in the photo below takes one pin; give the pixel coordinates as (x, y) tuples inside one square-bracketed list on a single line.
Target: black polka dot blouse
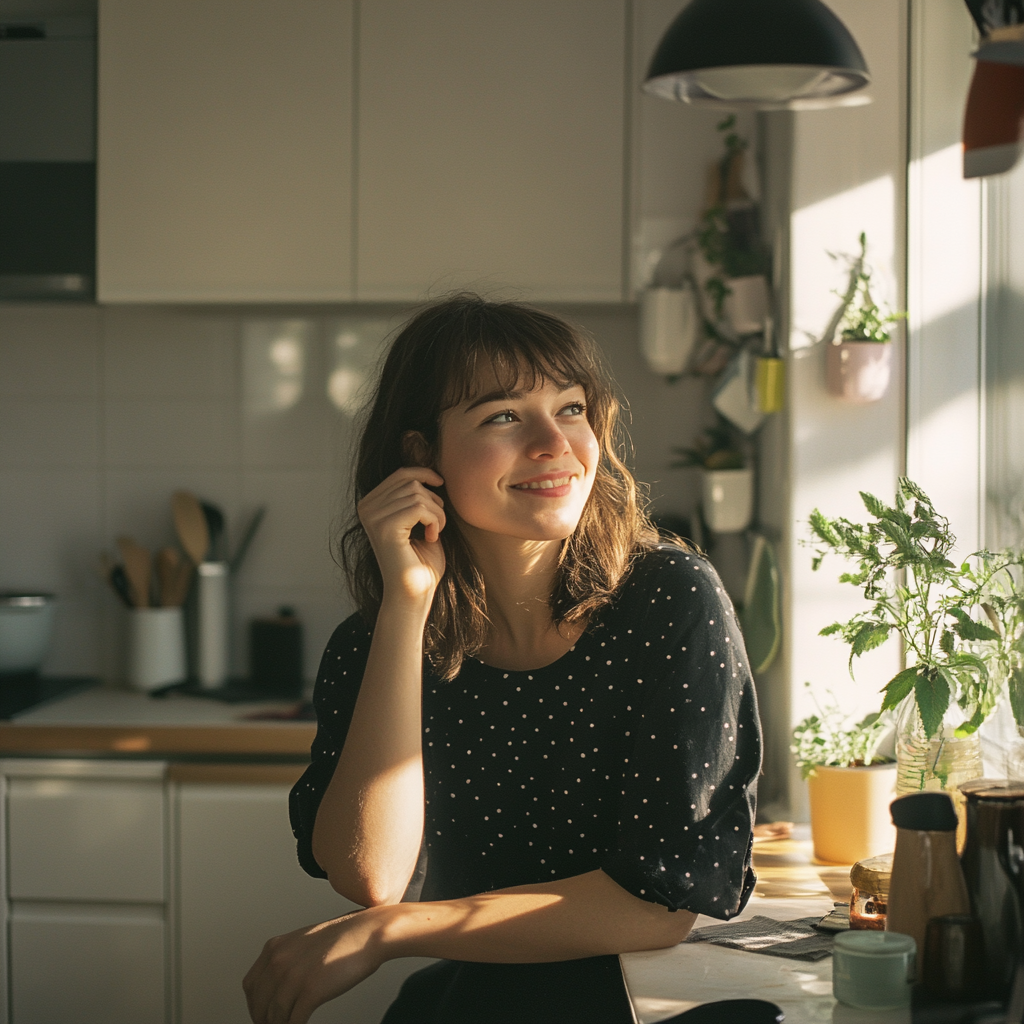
[(636, 752)]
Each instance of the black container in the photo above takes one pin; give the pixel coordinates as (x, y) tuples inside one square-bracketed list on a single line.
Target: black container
[(275, 655)]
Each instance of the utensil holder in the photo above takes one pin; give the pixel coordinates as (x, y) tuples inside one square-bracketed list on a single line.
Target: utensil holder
[(156, 647), (213, 625)]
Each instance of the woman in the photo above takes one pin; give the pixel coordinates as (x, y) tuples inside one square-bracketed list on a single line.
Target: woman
[(551, 705)]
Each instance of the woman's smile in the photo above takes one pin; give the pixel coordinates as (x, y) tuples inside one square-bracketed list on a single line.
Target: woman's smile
[(551, 485)]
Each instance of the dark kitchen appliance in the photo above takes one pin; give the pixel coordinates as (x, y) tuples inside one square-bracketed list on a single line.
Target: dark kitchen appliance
[(47, 157), (275, 655)]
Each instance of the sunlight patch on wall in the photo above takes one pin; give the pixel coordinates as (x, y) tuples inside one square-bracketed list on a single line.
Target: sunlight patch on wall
[(274, 355), (833, 225)]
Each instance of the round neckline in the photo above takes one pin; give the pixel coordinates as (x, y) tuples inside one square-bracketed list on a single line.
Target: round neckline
[(585, 635)]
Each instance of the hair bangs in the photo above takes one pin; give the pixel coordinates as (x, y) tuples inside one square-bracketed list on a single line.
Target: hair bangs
[(497, 351)]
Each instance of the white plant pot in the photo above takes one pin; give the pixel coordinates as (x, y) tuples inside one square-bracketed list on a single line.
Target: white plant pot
[(746, 305), (850, 818), (858, 371), (669, 328), (728, 499)]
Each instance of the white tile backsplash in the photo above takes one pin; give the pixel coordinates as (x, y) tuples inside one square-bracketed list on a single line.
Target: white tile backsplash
[(168, 353), (106, 411), (171, 432), (50, 351), (49, 433)]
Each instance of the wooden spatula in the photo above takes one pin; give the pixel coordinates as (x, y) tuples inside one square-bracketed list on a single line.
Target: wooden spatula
[(190, 522)]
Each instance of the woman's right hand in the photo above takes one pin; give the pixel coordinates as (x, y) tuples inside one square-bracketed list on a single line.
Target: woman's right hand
[(411, 568)]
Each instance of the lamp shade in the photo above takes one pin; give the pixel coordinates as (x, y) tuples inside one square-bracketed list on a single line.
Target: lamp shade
[(765, 54)]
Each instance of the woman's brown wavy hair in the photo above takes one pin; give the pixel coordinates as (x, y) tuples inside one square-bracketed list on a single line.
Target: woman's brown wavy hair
[(432, 366)]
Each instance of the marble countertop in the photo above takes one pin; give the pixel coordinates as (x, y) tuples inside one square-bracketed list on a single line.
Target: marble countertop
[(665, 982)]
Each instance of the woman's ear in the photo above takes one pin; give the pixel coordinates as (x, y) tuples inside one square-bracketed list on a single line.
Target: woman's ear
[(415, 450)]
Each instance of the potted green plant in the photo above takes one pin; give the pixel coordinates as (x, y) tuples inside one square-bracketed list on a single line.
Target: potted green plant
[(729, 240), (727, 482), (850, 784), (858, 364), (915, 591)]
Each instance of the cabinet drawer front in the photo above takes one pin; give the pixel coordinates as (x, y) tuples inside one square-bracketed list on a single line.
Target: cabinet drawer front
[(87, 969), (86, 839)]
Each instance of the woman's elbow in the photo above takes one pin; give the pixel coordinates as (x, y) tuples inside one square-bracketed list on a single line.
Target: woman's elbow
[(670, 928), (363, 892)]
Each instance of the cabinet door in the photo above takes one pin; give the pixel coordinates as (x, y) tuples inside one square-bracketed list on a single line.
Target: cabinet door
[(225, 150), (91, 965), (491, 147), (86, 839), (239, 884)]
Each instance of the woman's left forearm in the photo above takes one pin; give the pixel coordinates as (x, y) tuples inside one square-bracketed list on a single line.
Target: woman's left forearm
[(584, 915)]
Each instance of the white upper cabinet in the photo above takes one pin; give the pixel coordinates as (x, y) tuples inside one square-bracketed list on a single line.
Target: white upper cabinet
[(225, 150), (491, 148), (477, 143)]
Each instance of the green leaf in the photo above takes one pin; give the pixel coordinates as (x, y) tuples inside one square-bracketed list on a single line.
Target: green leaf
[(971, 725), (967, 629), (1016, 688), (876, 507), (868, 637), (946, 642), (932, 691), (899, 687), (836, 627), (824, 528)]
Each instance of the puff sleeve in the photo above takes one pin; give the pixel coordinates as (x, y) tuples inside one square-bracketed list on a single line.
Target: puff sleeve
[(334, 697), (688, 788)]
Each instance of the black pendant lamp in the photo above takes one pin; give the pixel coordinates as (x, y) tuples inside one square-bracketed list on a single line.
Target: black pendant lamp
[(763, 54)]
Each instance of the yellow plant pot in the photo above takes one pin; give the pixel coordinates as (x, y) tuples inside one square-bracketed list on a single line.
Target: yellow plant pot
[(850, 812)]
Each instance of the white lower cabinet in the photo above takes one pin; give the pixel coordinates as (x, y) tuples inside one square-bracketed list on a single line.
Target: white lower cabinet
[(239, 883), (142, 892), (79, 965)]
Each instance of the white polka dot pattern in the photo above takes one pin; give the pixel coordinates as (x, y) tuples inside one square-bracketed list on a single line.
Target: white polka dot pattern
[(636, 752)]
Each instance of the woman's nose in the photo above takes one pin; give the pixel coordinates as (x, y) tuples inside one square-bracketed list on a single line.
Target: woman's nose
[(547, 441)]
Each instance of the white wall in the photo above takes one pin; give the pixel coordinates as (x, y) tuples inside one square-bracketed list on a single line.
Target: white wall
[(846, 176), (945, 233)]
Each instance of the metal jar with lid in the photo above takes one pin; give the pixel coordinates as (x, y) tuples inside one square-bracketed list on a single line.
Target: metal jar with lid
[(870, 879), (992, 868)]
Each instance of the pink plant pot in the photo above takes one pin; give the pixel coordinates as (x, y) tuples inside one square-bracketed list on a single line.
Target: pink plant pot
[(858, 371)]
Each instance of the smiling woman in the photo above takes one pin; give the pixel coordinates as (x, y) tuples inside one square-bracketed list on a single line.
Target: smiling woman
[(538, 697)]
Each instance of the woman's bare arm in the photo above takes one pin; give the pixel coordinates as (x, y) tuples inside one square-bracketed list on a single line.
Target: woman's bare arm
[(370, 821), (585, 915)]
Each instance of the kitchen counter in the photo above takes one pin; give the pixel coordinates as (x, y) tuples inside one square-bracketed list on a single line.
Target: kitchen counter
[(106, 722), (665, 982)]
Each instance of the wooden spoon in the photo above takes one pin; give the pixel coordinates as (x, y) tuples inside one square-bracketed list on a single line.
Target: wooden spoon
[(190, 522), (138, 567), (169, 572)]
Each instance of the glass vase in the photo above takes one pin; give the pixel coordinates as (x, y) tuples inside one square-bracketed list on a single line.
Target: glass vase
[(943, 762)]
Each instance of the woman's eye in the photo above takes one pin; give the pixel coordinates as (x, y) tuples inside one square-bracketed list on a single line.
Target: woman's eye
[(575, 409), (506, 416)]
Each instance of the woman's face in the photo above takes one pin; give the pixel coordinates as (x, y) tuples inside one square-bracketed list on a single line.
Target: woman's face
[(519, 465)]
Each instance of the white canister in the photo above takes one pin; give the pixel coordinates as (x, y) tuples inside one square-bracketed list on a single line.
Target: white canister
[(728, 499), (213, 624), (669, 328), (156, 648), (746, 305), (873, 970)]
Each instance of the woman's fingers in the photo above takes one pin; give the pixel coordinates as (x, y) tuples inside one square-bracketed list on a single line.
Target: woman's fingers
[(297, 972), (406, 511)]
